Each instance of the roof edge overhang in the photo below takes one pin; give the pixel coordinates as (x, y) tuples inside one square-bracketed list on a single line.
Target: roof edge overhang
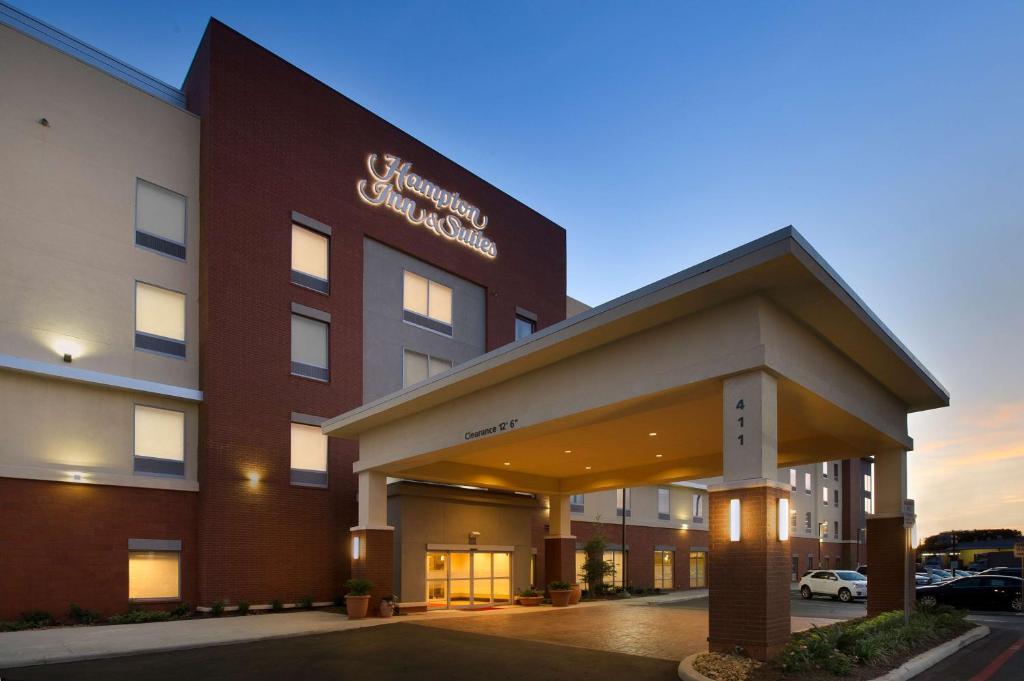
[(619, 317)]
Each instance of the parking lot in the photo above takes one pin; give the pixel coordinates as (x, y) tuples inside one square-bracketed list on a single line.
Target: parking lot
[(818, 607)]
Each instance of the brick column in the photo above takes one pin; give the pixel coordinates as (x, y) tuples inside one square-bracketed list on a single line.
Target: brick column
[(372, 544), (890, 567), (748, 580), (560, 544)]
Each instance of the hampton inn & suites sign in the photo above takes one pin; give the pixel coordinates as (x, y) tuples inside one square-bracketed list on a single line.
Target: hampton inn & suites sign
[(394, 185)]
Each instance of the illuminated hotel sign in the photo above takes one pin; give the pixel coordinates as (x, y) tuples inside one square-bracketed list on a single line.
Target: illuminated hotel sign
[(392, 179)]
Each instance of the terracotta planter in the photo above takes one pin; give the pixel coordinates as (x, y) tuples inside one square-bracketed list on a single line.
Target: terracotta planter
[(560, 599), (531, 601), (356, 606), (577, 593)]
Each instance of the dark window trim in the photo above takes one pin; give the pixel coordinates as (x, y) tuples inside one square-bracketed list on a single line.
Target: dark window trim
[(424, 322), (152, 465), (160, 345), (160, 245), (308, 281), (301, 477), (163, 241)]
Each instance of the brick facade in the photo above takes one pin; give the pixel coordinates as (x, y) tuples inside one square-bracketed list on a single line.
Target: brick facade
[(376, 563), (275, 140), (890, 572), (749, 579), (559, 560), (63, 543)]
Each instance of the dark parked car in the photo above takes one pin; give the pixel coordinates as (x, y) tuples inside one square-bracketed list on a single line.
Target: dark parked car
[(984, 592), (1011, 571)]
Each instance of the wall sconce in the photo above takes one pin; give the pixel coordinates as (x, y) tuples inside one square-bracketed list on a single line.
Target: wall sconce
[(783, 519), (472, 537), (254, 478), (355, 547), (67, 357), (734, 520)]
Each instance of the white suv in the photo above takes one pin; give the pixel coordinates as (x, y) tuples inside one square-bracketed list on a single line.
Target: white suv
[(845, 585)]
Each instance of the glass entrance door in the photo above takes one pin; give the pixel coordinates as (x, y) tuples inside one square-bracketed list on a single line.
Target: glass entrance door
[(464, 578)]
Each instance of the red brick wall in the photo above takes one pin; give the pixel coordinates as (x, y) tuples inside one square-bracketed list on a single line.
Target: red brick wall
[(65, 542), (376, 563), (276, 140), (887, 546), (804, 546), (559, 560)]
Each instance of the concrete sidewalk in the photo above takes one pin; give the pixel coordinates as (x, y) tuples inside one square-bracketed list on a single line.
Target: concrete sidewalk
[(66, 644)]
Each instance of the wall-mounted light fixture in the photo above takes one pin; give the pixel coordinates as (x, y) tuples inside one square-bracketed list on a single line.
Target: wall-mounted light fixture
[(67, 357), (355, 547), (472, 537), (783, 519), (254, 478), (734, 520)]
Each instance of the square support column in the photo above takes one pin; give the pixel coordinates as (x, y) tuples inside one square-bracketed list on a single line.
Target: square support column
[(748, 572), (890, 563), (372, 541), (560, 544)]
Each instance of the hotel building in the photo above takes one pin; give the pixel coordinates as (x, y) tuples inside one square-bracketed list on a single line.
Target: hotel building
[(195, 282)]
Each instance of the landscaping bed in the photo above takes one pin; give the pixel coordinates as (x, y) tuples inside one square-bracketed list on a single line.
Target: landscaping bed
[(864, 648)]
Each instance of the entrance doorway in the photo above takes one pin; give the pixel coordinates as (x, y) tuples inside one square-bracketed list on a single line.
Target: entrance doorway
[(468, 578)]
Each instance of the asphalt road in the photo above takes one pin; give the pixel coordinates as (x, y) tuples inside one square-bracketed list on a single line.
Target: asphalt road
[(997, 657), (798, 607), (396, 651)]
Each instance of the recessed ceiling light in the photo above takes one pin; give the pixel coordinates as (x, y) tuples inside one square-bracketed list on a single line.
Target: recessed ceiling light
[(508, 463), (588, 468), (568, 451), (658, 456), (652, 434)]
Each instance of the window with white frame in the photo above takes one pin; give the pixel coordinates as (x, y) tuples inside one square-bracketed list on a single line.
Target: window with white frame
[(309, 348), (824, 495), (664, 562), (807, 483), (308, 455), (867, 504), (664, 512), (576, 503), (160, 219), (867, 482), (310, 258), (824, 469), (792, 478), (698, 508), (619, 505), (159, 320), (427, 303), (159, 441), (417, 367)]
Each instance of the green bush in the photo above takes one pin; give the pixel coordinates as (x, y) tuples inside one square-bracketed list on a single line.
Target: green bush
[(139, 617), (80, 615), (358, 587), (277, 605), (530, 593), (559, 586), (243, 608), (217, 609), (182, 609), (36, 618), (306, 603), (16, 625)]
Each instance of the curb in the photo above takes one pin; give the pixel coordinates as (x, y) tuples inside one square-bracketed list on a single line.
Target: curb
[(907, 670), (930, 658)]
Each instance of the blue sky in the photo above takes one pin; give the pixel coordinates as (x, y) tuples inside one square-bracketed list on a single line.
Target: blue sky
[(660, 134)]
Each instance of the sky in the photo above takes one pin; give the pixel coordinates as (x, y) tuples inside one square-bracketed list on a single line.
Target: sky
[(661, 134)]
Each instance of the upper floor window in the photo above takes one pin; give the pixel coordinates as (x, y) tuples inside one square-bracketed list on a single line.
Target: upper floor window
[(867, 482), (835, 497), (619, 505), (427, 303), (824, 495), (835, 529), (792, 478), (867, 504), (576, 503), (807, 483), (159, 219), (664, 512), (419, 367), (525, 326), (835, 471), (308, 456), (159, 320), (824, 468), (310, 256), (698, 508), (159, 441), (807, 522), (309, 348)]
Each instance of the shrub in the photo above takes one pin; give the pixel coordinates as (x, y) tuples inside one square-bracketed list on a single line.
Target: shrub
[(139, 617), (306, 603), (80, 615), (243, 608), (595, 567), (36, 618), (559, 586), (182, 609), (17, 625), (530, 593), (217, 609), (277, 605), (358, 587)]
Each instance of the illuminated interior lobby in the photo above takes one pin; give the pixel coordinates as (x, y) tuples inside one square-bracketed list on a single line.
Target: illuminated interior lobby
[(759, 358)]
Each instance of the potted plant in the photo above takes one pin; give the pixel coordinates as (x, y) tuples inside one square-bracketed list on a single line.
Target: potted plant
[(530, 598), (357, 601), (577, 594), (560, 593), (388, 606)]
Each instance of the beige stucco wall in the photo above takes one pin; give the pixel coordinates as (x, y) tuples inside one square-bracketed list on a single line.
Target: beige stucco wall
[(436, 515), (54, 429), (69, 263), (601, 507)]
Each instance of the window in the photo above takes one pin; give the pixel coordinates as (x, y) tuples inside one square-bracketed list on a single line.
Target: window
[(835, 498), (426, 303), (824, 495), (154, 569), (792, 478), (824, 469), (309, 348), (159, 320), (810, 562), (867, 504), (807, 522), (835, 529), (835, 471), (159, 219), (310, 259), (807, 483), (698, 508), (867, 482), (614, 557), (619, 505), (824, 564), (663, 504), (792, 516), (698, 569), (159, 441), (308, 456), (576, 503), (525, 326), (663, 564), (419, 367)]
